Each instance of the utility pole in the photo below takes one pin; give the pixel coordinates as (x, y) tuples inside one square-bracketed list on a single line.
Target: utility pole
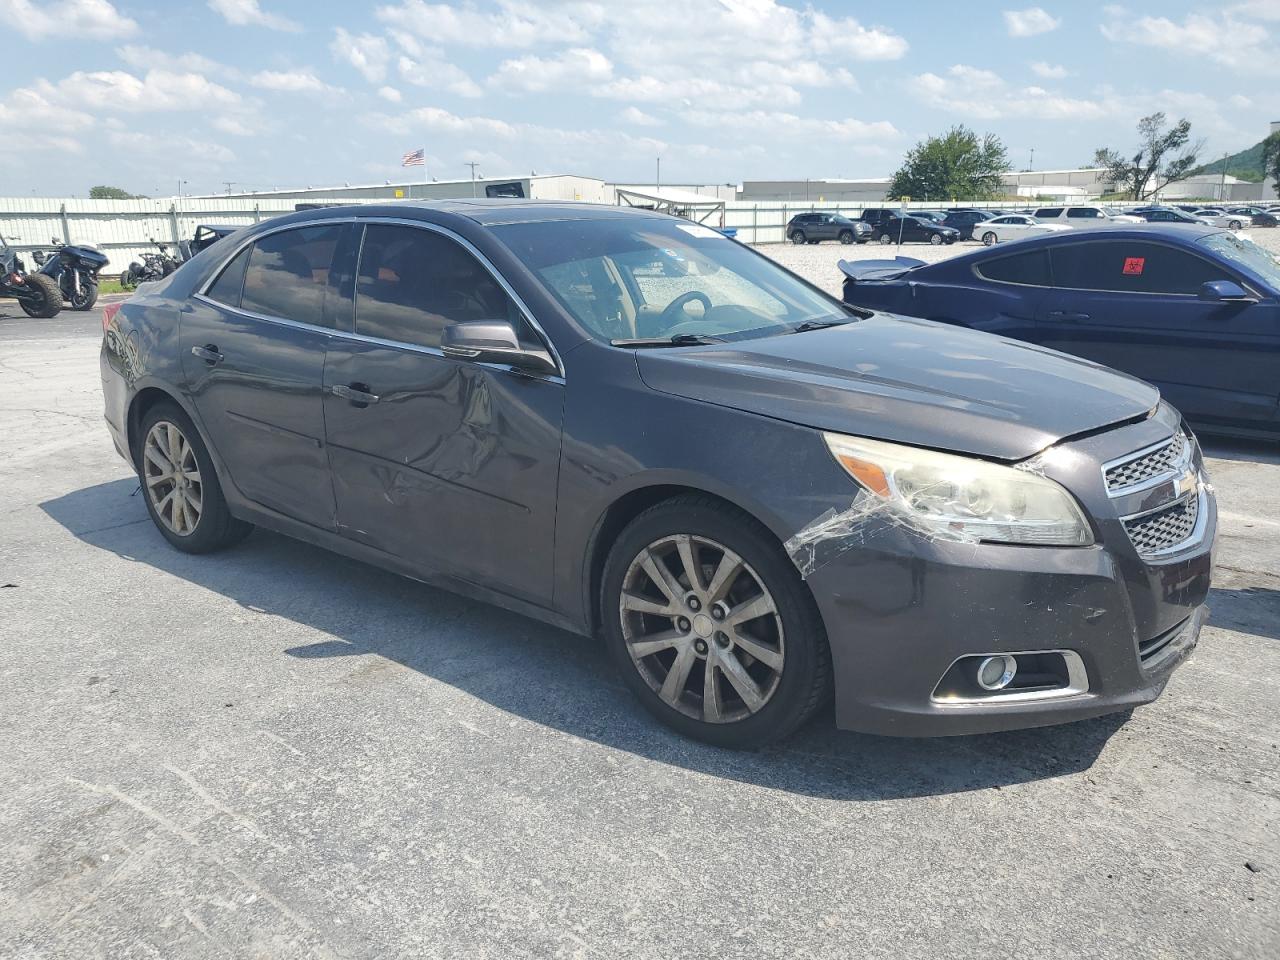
[(1222, 189), (1032, 165), (229, 184), (472, 164), (657, 176)]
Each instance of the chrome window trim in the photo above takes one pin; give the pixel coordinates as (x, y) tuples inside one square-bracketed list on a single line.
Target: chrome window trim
[(202, 293), (1180, 467), (1077, 682)]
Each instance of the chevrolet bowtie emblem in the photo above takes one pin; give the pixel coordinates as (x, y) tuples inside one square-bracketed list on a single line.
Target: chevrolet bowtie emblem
[(1185, 483)]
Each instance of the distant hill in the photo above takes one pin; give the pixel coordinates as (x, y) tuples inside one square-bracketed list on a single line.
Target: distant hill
[(1247, 165)]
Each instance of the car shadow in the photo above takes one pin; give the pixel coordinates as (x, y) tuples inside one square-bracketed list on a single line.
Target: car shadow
[(1243, 451), (550, 676), (1252, 610)]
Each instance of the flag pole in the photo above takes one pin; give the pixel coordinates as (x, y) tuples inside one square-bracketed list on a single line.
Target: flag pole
[(425, 179)]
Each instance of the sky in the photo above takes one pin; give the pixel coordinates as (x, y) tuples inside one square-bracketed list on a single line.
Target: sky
[(153, 96)]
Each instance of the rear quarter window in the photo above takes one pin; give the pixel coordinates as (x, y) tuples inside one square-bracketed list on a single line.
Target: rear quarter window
[(226, 289), (288, 273), (1029, 269)]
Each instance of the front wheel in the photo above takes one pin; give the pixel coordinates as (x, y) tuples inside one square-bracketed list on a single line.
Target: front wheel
[(183, 495), (988, 238), (936, 239), (1236, 225), (711, 625), (43, 299), (846, 237), (885, 239), (86, 297)]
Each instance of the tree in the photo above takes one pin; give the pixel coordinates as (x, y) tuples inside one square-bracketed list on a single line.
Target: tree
[(1271, 160), (957, 165), (1157, 161), (109, 193)]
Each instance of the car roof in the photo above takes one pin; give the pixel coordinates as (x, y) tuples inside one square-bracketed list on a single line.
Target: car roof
[(482, 210)]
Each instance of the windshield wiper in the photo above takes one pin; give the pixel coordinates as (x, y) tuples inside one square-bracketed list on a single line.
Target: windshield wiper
[(820, 324), (679, 340)]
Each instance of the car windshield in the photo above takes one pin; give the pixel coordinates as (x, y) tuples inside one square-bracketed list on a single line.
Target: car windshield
[(629, 278), (1247, 254)]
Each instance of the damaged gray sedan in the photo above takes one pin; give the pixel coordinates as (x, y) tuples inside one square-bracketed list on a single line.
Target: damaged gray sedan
[(630, 426)]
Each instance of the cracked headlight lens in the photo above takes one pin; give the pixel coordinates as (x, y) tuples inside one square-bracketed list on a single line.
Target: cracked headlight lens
[(963, 498)]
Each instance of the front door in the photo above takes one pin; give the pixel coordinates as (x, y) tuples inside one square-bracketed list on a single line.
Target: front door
[(1134, 305), (253, 350), (448, 464)]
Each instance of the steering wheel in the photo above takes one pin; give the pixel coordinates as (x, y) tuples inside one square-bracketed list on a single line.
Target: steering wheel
[(677, 305)]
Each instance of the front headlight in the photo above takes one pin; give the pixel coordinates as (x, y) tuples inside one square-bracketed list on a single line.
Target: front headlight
[(961, 497)]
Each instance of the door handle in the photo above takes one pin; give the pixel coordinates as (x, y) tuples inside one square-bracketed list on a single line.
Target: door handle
[(357, 393), (1068, 315), (208, 353)]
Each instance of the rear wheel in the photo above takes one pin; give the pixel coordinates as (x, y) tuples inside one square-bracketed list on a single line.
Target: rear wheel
[(989, 238), (798, 237), (711, 625), (43, 299), (183, 495)]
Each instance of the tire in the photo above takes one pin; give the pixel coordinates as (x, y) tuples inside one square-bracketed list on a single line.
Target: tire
[(87, 298), (846, 237), (790, 630), (798, 237), (1235, 225), (936, 239), (213, 528), (47, 302), (814, 243), (990, 239), (885, 239)]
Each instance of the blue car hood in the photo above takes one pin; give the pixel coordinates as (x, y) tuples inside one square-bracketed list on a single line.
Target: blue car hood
[(910, 381)]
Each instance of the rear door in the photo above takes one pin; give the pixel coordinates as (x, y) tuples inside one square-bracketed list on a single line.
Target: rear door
[(253, 349), (448, 464), (1134, 305)]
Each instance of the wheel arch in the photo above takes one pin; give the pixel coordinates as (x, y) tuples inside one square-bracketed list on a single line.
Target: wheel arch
[(146, 397)]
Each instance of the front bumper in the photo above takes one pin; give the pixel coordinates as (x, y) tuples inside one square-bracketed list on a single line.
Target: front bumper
[(901, 610)]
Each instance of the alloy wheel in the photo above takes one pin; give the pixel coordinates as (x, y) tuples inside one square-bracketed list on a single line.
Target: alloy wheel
[(702, 628), (171, 474)]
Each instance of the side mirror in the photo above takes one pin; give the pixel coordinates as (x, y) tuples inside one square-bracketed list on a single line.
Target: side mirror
[(493, 341), (1225, 291)]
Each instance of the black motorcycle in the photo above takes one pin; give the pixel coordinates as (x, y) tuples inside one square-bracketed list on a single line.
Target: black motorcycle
[(37, 294), (74, 267), (154, 266)]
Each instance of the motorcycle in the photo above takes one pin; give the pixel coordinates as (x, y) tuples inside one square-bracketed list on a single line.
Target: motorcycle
[(74, 268), (37, 294), (154, 266)]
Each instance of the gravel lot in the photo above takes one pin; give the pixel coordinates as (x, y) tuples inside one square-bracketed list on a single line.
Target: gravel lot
[(276, 752)]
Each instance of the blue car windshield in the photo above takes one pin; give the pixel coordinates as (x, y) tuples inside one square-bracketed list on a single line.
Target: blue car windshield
[(1247, 254), (630, 278)]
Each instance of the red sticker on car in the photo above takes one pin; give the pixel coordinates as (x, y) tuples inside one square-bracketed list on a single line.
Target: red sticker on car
[(1133, 266)]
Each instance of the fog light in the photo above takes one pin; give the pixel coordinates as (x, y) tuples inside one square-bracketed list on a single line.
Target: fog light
[(996, 673)]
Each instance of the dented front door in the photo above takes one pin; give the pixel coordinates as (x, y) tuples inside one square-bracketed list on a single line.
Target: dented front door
[(448, 464)]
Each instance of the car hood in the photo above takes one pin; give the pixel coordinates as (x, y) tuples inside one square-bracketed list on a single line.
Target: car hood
[(911, 381)]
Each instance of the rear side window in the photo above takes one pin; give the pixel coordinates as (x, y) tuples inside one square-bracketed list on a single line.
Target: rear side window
[(1084, 213), (288, 273), (1138, 267), (1049, 212), (412, 283), (226, 289), (1029, 269)]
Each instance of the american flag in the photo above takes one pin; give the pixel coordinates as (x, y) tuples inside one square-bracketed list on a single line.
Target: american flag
[(415, 158)]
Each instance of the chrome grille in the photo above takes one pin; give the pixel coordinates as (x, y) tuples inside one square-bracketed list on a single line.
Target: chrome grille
[(1164, 461), (1164, 529)]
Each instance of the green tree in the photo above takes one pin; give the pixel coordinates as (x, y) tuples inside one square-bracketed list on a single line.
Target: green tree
[(109, 193), (1271, 160), (957, 165), (1164, 156)]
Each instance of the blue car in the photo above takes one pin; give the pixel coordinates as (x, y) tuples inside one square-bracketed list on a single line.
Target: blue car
[(1193, 310)]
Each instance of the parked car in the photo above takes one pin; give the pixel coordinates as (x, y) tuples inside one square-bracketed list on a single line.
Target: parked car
[(937, 216), (1266, 219), (1248, 211), (965, 221), (802, 498), (1083, 217), (1220, 218), (913, 229), (877, 215), (816, 227), (1194, 310), (1014, 226), (1168, 215)]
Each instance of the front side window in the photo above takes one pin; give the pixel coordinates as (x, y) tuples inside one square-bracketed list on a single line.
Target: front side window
[(1132, 266), (1247, 254), (631, 277), (412, 283), (288, 273)]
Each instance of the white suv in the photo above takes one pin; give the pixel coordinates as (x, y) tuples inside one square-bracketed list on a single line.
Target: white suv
[(1083, 216)]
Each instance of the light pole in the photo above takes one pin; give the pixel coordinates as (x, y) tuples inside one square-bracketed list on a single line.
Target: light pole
[(472, 164), (1032, 165), (657, 175)]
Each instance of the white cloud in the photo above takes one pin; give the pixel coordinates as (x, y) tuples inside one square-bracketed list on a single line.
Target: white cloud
[(638, 118), (365, 52), (1030, 22), (437, 75), (235, 126), (118, 90), (249, 13), (572, 68), (149, 58), (984, 95), (95, 19), (847, 35), (199, 154), (686, 90), (290, 81), (788, 124), (1049, 71), (1248, 49), (390, 94), (512, 24)]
